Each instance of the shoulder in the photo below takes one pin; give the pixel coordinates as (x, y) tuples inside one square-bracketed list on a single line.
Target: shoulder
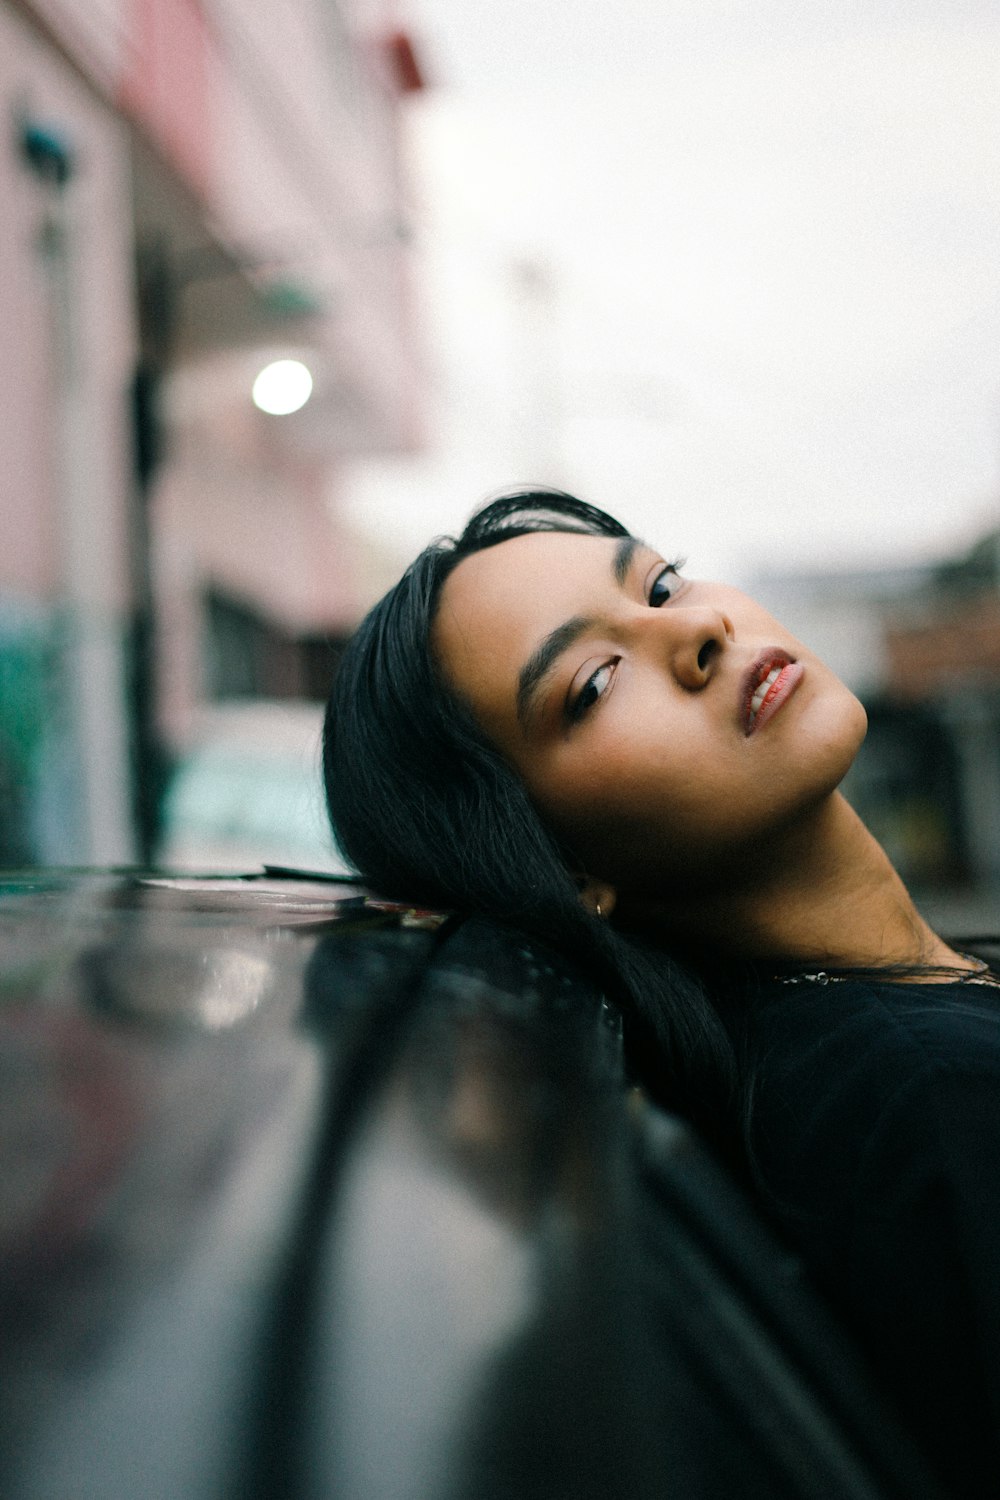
[(844, 1071), (908, 1029)]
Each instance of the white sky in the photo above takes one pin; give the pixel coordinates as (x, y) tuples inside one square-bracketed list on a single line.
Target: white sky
[(772, 236)]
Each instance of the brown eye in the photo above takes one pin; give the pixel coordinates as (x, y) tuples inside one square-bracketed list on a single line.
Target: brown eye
[(664, 586), (593, 689)]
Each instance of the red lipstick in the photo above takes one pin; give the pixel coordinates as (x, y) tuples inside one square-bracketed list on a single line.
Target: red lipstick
[(766, 686)]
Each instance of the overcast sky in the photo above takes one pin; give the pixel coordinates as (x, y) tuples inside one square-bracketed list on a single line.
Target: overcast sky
[(763, 319)]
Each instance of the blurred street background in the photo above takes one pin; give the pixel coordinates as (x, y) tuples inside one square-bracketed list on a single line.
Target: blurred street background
[(287, 288)]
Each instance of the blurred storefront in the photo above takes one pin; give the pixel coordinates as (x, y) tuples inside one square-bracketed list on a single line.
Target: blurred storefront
[(921, 648), (943, 660), (192, 188)]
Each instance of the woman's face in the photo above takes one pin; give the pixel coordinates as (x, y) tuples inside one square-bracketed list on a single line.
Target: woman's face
[(665, 727)]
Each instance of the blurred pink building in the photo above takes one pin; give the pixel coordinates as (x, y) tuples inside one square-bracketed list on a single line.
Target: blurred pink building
[(191, 188)]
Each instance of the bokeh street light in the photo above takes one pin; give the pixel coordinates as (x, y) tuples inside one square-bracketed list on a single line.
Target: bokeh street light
[(282, 387)]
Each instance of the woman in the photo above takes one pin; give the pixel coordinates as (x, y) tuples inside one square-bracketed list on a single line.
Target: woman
[(547, 722)]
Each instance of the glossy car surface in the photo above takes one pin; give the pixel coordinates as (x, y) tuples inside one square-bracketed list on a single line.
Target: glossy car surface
[(306, 1194)]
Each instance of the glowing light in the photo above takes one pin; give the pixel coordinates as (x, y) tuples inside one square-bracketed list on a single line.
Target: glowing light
[(282, 387)]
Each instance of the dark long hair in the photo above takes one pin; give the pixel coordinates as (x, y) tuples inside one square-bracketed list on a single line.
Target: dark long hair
[(430, 812)]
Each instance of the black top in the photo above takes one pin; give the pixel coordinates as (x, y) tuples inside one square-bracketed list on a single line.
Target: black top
[(877, 1137)]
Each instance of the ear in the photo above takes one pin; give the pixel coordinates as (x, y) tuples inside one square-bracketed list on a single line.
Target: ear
[(598, 897)]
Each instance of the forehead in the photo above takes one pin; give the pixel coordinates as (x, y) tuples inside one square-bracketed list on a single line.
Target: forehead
[(498, 604)]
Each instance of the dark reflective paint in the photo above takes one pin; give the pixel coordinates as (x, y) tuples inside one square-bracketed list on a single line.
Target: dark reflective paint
[(305, 1197), (160, 1104)]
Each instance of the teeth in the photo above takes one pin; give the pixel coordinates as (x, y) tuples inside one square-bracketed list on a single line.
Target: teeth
[(761, 692)]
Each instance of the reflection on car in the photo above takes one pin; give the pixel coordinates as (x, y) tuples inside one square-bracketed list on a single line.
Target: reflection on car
[(307, 1193)]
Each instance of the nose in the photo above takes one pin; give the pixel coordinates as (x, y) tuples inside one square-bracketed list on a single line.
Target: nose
[(693, 639)]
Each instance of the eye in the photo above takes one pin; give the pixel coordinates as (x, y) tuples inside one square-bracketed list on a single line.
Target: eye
[(665, 584), (597, 684)]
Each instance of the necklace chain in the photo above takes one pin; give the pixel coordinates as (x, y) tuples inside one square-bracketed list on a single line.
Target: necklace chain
[(980, 974)]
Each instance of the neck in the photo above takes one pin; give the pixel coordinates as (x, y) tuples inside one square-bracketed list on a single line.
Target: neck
[(829, 893)]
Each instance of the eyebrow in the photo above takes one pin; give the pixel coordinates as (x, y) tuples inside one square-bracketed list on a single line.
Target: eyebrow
[(543, 659)]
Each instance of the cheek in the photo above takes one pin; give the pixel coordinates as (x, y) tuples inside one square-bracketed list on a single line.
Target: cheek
[(579, 800), (655, 792), (628, 811), (648, 818), (648, 770)]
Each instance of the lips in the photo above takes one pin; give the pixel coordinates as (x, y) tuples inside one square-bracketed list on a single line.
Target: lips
[(766, 687)]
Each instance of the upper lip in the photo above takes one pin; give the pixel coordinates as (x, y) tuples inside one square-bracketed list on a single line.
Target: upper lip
[(754, 675)]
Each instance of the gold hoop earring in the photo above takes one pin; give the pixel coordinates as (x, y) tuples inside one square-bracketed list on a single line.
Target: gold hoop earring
[(600, 914)]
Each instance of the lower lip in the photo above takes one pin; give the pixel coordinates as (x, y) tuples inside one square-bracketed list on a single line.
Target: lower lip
[(778, 695)]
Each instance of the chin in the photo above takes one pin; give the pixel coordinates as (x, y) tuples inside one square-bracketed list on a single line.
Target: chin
[(840, 731), (859, 718)]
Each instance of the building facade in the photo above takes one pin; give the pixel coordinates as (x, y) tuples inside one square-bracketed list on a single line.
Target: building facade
[(191, 188)]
